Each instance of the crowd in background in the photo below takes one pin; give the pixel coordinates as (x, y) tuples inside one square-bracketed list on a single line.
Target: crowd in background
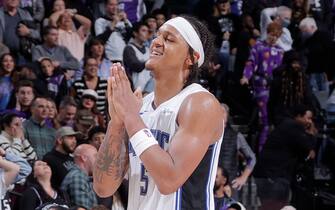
[(273, 71)]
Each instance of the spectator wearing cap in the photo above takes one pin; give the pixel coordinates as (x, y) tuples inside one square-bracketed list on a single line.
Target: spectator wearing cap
[(88, 115), (67, 113), (96, 136), (53, 80), (59, 158), (91, 80), (40, 136), (77, 183)]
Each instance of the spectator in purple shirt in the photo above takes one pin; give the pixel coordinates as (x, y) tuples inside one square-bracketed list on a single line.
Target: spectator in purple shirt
[(264, 57)]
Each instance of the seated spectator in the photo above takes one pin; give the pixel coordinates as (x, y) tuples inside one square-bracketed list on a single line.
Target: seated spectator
[(67, 113), (73, 39), (36, 131), (135, 55), (151, 22), (24, 96), (96, 49), (113, 29), (60, 55), (17, 29), (7, 66), (8, 174), (51, 120), (291, 142), (53, 80), (77, 182), (3, 49), (160, 17), (87, 114), (222, 189), (59, 158), (40, 192), (281, 15), (12, 138), (96, 136), (91, 80)]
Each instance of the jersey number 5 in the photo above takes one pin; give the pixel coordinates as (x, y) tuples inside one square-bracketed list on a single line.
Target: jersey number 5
[(145, 180)]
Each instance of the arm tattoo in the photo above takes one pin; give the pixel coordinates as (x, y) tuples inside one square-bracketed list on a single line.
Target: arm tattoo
[(112, 159)]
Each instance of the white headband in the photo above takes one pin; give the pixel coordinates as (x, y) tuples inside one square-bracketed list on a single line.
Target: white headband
[(190, 35)]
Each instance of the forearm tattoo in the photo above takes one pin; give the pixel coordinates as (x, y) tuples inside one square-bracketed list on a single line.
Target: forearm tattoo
[(112, 159)]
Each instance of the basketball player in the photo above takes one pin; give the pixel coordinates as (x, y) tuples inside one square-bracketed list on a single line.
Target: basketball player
[(174, 134)]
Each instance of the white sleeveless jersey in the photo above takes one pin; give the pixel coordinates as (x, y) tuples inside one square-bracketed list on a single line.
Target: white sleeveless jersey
[(197, 192)]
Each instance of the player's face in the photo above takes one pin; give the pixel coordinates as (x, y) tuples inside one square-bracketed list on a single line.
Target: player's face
[(168, 51)]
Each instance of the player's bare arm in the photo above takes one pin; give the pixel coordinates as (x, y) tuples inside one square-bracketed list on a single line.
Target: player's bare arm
[(200, 121), (112, 159)]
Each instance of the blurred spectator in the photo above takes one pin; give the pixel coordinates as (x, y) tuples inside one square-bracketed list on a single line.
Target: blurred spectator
[(151, 22), (289, 88), (265, 56), (96, 136), (113, 29), (281, 15), (227, 27), (96, 49), (300, 9), (35, 8), (246, 40), (36, 131), (77, 182), (18, 31), (321, 11), (3, 49), (59, 158), (67, 113), (52, 116), (13, 170), (53, 80), (8, 173), (135, 9), (60, 55), (87, 110), (41, 194), (24, 96), (233, 145), (91, 80), (222, 189), (290, 142), (12, 138), (73, 39), (58, 8), (135, 55), (7, 66), (159, 16), (317, 48)]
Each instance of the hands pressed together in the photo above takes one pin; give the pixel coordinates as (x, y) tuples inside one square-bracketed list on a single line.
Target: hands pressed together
[(123, 103)]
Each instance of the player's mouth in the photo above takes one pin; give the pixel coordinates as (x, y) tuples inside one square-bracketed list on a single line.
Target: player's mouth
[(156, 53)]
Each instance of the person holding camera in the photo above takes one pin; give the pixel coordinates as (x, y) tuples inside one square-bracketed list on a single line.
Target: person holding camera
[(17, 29), (114, 29)]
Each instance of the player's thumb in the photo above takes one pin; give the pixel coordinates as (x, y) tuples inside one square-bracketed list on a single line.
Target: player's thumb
[(138, 93)]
